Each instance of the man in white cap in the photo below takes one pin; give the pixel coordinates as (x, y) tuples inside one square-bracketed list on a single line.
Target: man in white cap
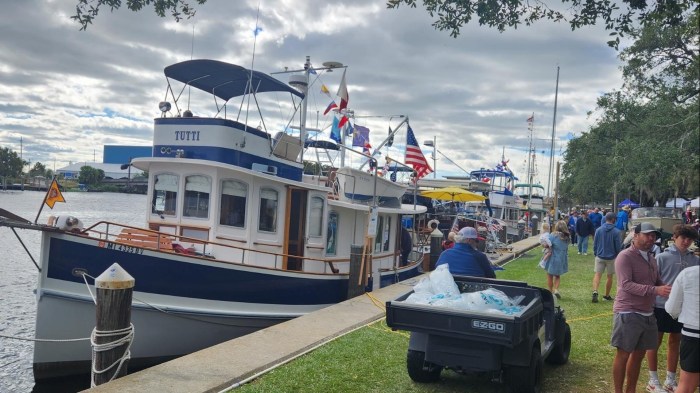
[(634, 325), (464, 258)]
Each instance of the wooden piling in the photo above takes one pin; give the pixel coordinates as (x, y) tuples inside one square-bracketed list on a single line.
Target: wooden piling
[(435, 247), (356, 286), (114, 291)]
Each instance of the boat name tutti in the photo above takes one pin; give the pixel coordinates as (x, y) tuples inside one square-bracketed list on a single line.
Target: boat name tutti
[(186, 135)]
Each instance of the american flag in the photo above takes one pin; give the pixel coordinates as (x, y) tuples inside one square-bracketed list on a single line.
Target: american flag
[(455, 225), (495, 226), (415, 157)]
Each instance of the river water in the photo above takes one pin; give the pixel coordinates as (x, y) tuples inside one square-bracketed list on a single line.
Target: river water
[(18, 275)]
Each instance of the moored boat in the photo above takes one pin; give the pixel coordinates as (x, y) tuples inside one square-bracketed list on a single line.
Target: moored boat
[(237, 236)]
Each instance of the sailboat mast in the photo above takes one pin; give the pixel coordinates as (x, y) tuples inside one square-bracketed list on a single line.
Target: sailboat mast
[(530, 159), (554, 130)]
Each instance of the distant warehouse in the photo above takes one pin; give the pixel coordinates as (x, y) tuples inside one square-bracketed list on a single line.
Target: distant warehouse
[(113, 158)]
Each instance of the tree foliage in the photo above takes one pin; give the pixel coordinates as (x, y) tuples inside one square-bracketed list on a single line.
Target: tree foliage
[(38, 169), (646, 142), (618, 16), (90, 176), (11, 164), (647, 150), (86, 10), (663, 61)]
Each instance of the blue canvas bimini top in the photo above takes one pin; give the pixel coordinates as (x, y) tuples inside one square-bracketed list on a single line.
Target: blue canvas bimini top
[(225, 80)]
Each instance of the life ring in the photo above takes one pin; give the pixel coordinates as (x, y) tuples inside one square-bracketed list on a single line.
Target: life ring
[(433, 224)]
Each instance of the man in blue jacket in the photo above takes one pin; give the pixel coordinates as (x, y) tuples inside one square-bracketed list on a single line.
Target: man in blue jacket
[(464, 259), (607, 243), (584, 228)]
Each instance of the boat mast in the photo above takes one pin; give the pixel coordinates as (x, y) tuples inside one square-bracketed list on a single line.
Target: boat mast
[(530, 159), (554, 129)]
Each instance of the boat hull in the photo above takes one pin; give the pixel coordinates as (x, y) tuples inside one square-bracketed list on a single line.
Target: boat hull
[(181, 304)]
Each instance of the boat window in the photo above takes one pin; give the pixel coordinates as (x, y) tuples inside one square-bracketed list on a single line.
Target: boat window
[(512, 215), (332, 234), (165, 188), (197, 190), (316, 216), (381, 242), (268, 210), (234, 195)]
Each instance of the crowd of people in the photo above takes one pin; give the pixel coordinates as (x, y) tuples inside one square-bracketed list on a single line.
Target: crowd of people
[(658, 293)]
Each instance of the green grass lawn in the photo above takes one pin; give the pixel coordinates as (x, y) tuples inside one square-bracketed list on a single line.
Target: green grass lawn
[(373, 358)]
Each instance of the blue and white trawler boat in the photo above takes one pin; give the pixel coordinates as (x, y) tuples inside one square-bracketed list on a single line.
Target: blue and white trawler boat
[(236, 238)]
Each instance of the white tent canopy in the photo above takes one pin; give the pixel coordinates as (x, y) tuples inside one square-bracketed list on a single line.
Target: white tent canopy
[(695, 202), (677, 202)]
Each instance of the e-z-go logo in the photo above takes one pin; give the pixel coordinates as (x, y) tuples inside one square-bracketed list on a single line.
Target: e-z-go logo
[(498, 327)]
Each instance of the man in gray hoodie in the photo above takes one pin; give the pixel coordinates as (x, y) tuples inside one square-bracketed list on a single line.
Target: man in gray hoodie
[(670, 262), (607, 243)]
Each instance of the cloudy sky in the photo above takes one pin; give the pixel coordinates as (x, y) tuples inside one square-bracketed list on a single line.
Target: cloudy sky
[(65, 93)]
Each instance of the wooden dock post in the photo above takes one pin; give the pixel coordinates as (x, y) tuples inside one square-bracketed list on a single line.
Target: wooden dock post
[(435, 247), (113, 332), (356, 285)]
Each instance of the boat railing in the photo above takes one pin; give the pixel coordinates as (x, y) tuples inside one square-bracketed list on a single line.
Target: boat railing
[(112, 232)]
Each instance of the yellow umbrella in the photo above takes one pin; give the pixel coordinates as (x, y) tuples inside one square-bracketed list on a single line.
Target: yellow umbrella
[(454, 194)]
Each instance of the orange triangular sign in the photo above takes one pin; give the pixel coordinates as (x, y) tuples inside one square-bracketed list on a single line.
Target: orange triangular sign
[(54, 195)]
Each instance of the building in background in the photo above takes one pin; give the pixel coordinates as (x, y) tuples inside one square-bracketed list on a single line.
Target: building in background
[(113, 158)]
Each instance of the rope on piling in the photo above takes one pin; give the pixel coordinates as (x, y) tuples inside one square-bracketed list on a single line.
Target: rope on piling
[(126, 339)]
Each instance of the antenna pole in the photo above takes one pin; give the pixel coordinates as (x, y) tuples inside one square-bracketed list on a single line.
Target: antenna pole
[(304, 102)]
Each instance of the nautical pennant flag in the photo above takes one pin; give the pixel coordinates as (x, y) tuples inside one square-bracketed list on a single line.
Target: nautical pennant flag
[(325, 90), (332, 105), (360, 136), (415, 157), (343, 93), (531, 118), (53, 195)]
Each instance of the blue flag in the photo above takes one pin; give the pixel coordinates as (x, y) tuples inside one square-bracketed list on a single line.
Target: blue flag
[(360, 136), (335, 130)]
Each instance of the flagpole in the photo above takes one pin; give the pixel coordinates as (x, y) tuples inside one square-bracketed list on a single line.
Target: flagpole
[(44, 201), (386, 140)]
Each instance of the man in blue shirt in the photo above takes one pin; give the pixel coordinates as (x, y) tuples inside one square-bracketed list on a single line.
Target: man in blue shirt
[(596, 218), (464, 258), (623, 218)]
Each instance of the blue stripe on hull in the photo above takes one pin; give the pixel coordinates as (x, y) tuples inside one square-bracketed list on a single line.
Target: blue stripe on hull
[(232, 157), (389, 279), (174, 278)]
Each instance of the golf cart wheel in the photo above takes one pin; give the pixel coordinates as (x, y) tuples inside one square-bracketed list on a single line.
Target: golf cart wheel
[(527, 379), (562, 345), (419, 370)]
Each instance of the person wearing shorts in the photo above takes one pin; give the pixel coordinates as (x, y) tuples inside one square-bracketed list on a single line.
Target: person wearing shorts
[(607, 243), (634, 325), (684, 303), (670, 262)]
